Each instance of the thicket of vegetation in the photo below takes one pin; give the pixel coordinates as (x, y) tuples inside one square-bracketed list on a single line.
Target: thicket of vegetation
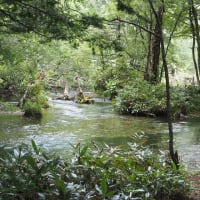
[(131, 51), (144, 99), (89, 172), (112, 46)]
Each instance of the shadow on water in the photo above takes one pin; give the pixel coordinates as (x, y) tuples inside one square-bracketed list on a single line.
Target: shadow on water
[(66, 123)]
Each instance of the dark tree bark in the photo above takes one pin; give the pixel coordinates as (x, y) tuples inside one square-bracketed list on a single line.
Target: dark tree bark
[(174, 155), (156, 46), (196, 38), (147, 73)]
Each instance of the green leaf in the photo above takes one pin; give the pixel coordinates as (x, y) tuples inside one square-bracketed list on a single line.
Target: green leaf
[(60, 184), (31, 161), (35, 148), (83, 151), (104, 187)]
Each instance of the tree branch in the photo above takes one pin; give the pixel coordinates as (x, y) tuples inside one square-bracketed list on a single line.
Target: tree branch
[(20, 23), (134, 24)]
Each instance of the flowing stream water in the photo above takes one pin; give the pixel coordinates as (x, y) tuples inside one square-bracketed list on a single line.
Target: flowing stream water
[(66, 123)]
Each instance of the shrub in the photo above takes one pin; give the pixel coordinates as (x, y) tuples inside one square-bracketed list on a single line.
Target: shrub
[(141, 98), (35, 101), (192, 98), (32, 109), (146, 99), (92, 172)]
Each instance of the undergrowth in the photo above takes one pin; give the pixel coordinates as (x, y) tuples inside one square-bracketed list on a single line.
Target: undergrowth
[(90, 172)]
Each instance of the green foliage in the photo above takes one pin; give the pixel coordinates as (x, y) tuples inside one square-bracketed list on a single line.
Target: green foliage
[(141, 98), (32, 109), (112, 88), (8, 107), (102, 79), (18, 64), (192, 97), (43, 17), (35, 101), (92, 172), (146, 99)]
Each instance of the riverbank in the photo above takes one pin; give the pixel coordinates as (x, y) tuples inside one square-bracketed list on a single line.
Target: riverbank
[(194, 182), (67, 122), (10, 108)]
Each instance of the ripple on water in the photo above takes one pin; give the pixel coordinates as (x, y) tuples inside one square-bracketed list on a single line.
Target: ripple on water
[(190, 157), (66, 122)]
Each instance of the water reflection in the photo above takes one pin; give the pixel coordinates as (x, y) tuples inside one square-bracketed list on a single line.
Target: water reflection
[(66, 122)]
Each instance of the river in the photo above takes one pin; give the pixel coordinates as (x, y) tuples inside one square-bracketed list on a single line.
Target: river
[(66, 123)]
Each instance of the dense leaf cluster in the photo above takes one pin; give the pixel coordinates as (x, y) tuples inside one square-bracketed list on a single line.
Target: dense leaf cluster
[(35, 100), (144, 99), (92, 172), (49, 18)]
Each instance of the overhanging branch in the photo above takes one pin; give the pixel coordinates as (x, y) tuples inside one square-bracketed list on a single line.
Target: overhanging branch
[(134, 24)]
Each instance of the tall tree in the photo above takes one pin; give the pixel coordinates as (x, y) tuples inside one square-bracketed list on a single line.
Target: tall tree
[(194, 23), (156, 42)]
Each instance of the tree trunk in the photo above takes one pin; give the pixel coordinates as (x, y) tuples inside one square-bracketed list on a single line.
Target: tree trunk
[(196, 37), (169, 41), (147, 74), (174, 155), (156, 41), (196, 22)]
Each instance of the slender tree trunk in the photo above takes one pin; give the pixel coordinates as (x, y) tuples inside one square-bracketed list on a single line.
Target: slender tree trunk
[(118, 29), (174, 155), (195, 36), (196, 22), (147, 73), (169, 41)]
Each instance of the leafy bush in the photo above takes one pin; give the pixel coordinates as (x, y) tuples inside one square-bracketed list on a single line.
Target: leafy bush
[(141, 98), (146, 99), (112, 88), (36, 88), (100, 85), (32, 109), (192, 98), (92, 172), (35, 101)]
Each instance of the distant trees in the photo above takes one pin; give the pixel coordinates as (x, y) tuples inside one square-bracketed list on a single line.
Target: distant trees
[(25, 29)]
